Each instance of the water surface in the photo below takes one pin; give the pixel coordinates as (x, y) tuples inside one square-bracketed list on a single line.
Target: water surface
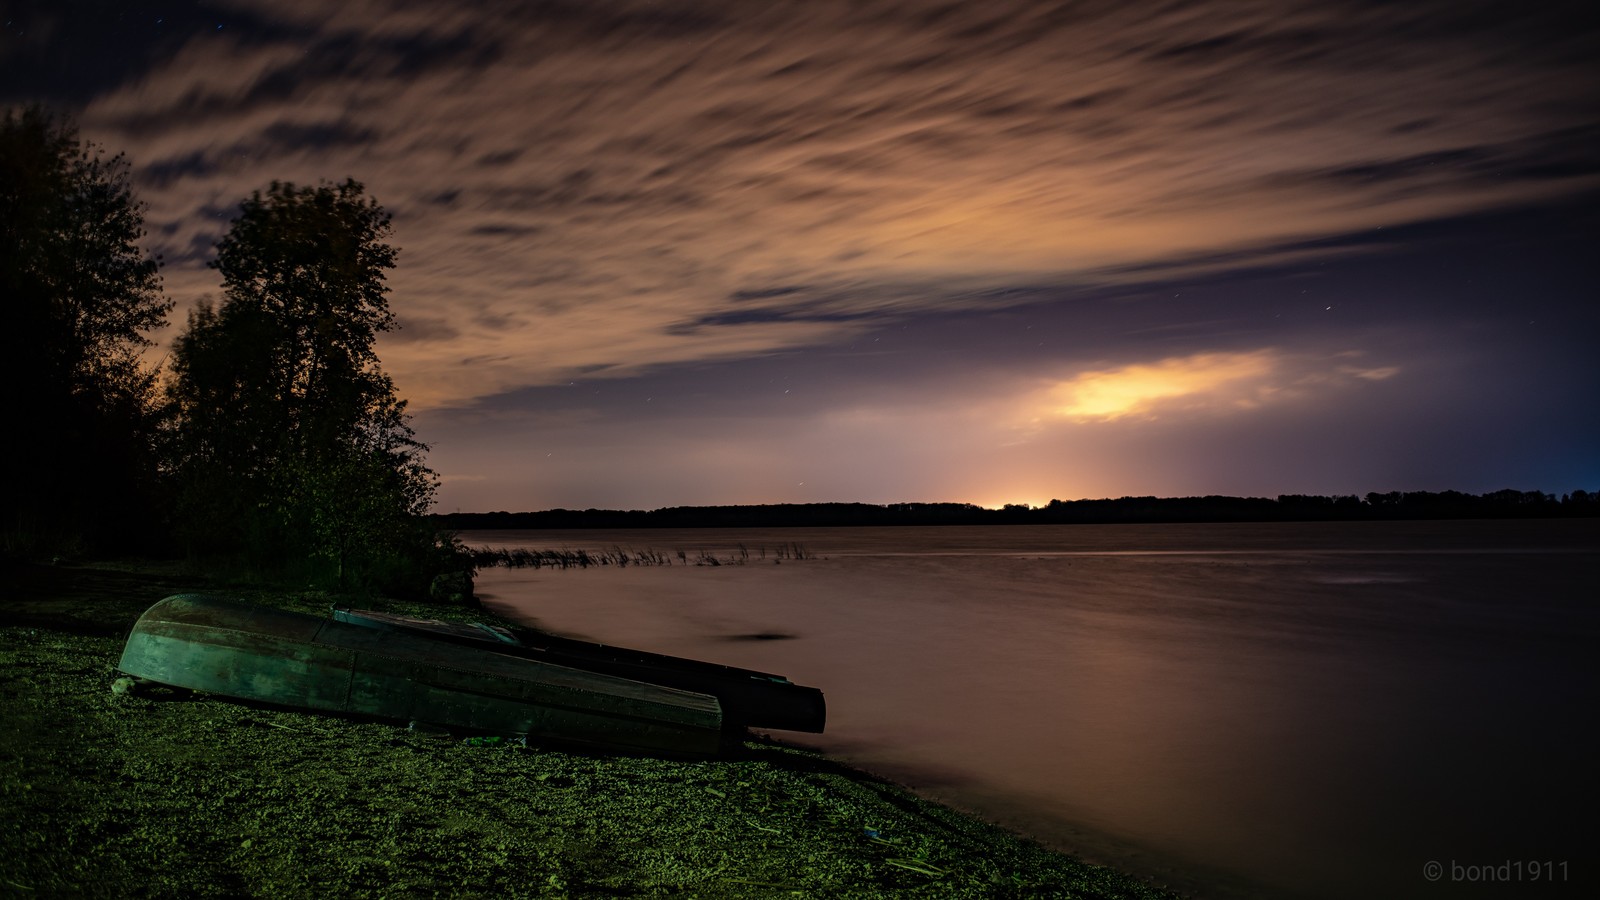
[(1315, 709)]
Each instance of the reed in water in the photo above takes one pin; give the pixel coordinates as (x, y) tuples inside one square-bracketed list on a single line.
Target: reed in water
[(523, 558)]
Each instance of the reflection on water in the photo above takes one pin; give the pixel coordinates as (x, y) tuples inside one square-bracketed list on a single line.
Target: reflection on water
[(1320, 709)]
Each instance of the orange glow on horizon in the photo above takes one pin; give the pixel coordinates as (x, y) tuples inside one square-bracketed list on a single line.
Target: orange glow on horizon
[(1034, 502)]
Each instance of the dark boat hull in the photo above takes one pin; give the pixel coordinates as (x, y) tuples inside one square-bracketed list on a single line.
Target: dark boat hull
[(748, 697), (259, 653)]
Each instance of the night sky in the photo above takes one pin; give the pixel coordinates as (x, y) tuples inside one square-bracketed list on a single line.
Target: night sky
[(666, 253)]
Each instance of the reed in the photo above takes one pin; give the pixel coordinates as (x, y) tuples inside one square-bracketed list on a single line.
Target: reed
[(523, 558)]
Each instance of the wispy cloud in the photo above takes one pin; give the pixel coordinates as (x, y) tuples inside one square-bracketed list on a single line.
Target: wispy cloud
[(612, 186)]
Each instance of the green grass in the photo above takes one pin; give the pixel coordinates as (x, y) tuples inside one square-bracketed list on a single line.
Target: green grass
[(163, 793)]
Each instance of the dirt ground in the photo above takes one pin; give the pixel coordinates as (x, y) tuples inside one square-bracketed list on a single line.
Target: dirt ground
[(156, 793)]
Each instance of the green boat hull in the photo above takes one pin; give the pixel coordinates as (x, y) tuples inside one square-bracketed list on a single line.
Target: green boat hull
[(749, 698), (251, 652)]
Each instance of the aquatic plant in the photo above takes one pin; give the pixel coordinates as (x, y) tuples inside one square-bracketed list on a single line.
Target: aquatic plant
[(524, 558)]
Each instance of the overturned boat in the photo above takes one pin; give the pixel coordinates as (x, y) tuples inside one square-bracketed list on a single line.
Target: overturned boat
[(250, 652), (748, 698)]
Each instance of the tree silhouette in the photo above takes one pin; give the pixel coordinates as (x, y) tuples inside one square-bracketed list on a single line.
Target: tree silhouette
[(289, 438), (80, 295)]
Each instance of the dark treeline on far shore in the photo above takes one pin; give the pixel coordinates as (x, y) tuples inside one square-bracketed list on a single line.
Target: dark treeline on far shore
[(1506, 504)]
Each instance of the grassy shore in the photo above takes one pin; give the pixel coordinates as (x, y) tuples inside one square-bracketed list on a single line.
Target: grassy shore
[(162, 793)]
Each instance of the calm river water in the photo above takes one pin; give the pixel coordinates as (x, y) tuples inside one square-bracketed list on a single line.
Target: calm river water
[(1321, 710)]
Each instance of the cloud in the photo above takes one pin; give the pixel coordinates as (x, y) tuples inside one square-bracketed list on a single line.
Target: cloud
[(612, 186), (1195, 387), (989, 437), (1141, 389)]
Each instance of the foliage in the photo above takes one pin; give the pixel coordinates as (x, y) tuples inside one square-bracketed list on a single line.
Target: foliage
[(80, 296), (288, 439)]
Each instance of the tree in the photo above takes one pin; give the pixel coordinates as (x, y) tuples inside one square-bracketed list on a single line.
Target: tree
[(288, 436), (80, 294)]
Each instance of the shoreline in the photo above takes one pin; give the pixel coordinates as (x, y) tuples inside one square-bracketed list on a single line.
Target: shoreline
[(1370, 645), (1069, 837), (164, 792)]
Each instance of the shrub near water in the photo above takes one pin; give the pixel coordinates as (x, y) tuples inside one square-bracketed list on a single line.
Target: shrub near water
[(287, 441)]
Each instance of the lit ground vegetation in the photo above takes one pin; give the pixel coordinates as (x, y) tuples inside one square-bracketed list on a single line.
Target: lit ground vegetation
[(155, 793)]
